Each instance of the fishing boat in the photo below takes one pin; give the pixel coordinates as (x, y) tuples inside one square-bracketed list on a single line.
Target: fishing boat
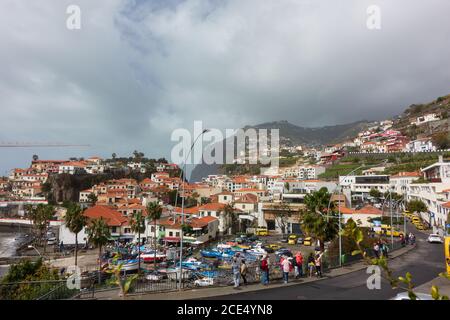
[(174, 273), (223, 246), (128, 265), (150, 256), (211, 253), (256, 251), (205, 282)]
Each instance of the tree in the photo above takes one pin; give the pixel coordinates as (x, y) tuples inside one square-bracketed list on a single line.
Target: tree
[(416, 206), (154, 211), (318, 201), (26, 271), (230, 216), (75, 222), (375, 193), (313, 220), (320, 227), (40, 216), (35, 157), (114, 156), (137, 225), (98, 234), (92, 198)]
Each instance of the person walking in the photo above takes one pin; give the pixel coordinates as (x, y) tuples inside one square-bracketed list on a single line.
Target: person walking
[(264, 271), (318, 263), (311, 264), (376, 249), (299, 264), (236, 268), (295, 266), (286, 267), (244, 271)]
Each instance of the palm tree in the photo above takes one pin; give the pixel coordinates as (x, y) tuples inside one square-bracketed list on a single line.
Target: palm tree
[(75, 222), (98, 234), (318, 201), (137, 225), (230, 215), (313, 220), (317, 225), (154, 211)]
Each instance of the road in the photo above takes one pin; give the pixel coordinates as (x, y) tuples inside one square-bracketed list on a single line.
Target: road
[(425, 262)]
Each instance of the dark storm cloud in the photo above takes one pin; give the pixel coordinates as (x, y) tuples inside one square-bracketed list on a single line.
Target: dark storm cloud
[(139, 69)]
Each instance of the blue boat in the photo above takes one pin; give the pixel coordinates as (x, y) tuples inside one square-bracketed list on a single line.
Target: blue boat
[(211, 253)]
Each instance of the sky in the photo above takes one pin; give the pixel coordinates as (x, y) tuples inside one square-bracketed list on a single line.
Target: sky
[(137, 70)]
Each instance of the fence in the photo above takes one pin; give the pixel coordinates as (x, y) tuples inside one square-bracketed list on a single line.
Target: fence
[(36, 290)]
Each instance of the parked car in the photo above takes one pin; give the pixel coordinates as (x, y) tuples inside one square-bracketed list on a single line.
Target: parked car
[(292, 239), (284, 252), (307, 241), (268, 249), (435, 238), (262, 232), (51, 241), (405, 296)]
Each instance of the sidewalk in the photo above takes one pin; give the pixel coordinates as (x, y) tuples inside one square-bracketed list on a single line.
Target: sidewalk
[(442, 283), (204, 293)]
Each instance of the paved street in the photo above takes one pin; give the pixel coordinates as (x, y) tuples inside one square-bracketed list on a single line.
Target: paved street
[(424, 263)]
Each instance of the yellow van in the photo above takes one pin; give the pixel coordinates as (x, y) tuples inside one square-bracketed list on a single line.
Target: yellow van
[(292, 239), (262, 232), (307, 241)]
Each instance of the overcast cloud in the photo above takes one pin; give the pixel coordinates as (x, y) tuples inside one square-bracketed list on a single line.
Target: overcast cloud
[(139, 69)]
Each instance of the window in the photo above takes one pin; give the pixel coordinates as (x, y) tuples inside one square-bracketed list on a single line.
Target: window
[(177, 234), (170, 234)]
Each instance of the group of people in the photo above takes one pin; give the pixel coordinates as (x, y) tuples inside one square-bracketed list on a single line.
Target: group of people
[(410, 238), (287, 265), (380, 249)]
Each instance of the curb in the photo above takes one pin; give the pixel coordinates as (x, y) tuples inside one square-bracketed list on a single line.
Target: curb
[(279, 285)]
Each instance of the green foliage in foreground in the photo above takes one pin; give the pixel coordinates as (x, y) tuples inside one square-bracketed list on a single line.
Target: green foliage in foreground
[(21, 275)]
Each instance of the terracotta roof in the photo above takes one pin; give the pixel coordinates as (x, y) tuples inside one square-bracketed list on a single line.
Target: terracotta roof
[(192, 210), (247, 198), (112, 217), (446, 205), (215, 206)]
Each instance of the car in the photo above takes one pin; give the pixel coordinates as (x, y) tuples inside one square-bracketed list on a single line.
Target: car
[(253, 238), (307, 241), (396, 233), (300, 240), (273, 246), (415, 219), (405, 296), (292, 239), (268, 249), (435, 238), (51, 241), (262, 232), (284, 252)]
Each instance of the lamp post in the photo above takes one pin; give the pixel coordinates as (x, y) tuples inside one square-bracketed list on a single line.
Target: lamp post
[(33, 247), (339, 206), (182, 205)]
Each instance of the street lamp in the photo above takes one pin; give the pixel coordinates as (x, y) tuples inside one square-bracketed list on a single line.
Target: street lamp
[(339, 206), (33, 247), (182, 204)]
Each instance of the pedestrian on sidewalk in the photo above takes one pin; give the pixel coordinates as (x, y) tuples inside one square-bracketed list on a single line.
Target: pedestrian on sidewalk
[(311, 264), (244, 271), (376, 249), (318, 263), (294, 265), (236, 269), (264, 271), (286, 267), (299, 264)]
